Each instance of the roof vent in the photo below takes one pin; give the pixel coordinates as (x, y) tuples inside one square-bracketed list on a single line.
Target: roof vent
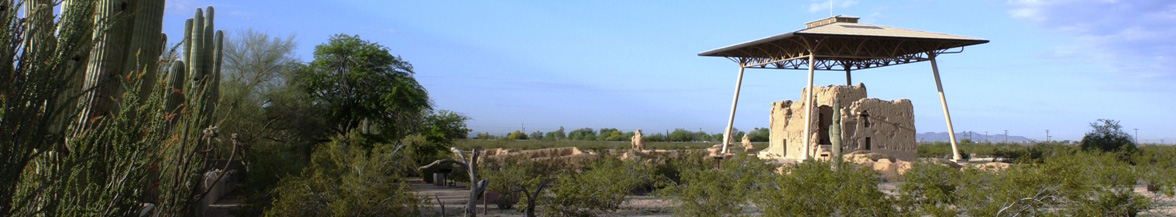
[(837, 19)]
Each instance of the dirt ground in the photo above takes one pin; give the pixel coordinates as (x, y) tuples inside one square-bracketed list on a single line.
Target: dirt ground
[(453, 198)]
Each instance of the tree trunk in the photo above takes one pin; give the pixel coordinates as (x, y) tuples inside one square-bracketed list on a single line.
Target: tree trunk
[(532, 198), (476, 187)]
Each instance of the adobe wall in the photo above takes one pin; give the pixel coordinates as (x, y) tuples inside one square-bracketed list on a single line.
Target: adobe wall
[(786, 121), (891, 124), (888, 125)]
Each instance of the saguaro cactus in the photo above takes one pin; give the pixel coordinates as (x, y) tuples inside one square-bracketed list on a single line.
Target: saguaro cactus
[(835, 135), (119, 47), (202, 53), (175, 93)]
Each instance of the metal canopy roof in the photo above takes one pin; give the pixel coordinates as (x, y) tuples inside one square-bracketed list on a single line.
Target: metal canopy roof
[(840, 43)]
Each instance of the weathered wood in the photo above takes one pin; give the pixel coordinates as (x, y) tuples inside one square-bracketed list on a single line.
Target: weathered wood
[(471, 166)]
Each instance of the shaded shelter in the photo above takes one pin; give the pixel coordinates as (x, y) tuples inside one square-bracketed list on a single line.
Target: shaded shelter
[(840, 43)]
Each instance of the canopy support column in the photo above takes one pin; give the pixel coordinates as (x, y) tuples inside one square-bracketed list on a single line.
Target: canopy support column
[(848, 79), (808, 109), (731, 121), (955, 151)]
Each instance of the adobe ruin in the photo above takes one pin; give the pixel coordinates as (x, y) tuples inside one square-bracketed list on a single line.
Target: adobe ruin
[(842, 44), (867, 124)]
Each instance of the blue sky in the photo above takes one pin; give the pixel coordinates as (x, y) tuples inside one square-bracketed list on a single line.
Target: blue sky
[(1055, 65)]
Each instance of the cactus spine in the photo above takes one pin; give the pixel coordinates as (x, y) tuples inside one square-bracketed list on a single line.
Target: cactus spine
[(835, 134)]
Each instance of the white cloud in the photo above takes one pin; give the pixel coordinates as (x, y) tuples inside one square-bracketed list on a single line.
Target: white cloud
[(823, 5), (1130, 36)]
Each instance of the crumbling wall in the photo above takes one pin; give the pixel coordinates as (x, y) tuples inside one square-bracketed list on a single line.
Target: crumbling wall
[(880, 126), (781, 112), (786, 122)]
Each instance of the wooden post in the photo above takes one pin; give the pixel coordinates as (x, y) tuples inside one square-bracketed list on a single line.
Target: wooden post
[(955, 151), (808, 109), (734, 102)]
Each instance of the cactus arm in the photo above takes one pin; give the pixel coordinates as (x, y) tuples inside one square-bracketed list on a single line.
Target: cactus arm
[(195, 69), (187, 39)]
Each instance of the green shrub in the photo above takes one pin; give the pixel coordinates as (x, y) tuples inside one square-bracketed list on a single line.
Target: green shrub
[(520, 181), (599, 189), (705, 191), (1081, 184), (345, 179), (929, 189), (1155, 166), (811, 188)]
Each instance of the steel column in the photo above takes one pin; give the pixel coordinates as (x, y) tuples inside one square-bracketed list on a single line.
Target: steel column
[(808, 109), (734, 102), (848, 80), (955, 151)]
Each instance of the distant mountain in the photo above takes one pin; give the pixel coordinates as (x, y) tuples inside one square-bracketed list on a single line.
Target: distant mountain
[(974, 136)]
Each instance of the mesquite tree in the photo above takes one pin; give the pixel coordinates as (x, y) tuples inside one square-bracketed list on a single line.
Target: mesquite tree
[(471, 166)]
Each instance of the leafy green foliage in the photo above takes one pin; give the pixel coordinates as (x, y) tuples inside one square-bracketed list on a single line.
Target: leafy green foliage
[(520, 180), (1079, 183), (1106, 135), (346, 179), (811, 188), (516, 135), (707, 191), (599, 189), (758, 134), (929, 188), (444, 126), (582, 134), (1156, 167), (359, 80)]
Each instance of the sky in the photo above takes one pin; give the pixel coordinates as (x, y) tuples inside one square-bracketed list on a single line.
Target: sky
[(539, 65)]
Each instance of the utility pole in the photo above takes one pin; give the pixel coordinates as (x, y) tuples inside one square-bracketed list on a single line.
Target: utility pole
[(1046, 135), (1136, 134)]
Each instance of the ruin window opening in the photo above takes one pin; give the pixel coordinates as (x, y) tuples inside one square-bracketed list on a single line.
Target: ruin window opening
[(865, 116), (867, 143), (824, 120)]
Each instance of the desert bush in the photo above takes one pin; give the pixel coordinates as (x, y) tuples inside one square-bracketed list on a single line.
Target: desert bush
[(811, 188), (346, 179), (521, 181), (1154, 165), (930, 188), (1085, 184), (707, 191), (601, 188), (672, 166)]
